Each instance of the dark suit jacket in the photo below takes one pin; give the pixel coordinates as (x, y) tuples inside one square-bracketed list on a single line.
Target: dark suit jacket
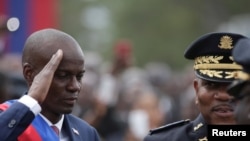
[(184, 130), (18, 117)]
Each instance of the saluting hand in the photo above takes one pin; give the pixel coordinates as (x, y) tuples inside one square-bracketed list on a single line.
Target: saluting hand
[(42, 81)]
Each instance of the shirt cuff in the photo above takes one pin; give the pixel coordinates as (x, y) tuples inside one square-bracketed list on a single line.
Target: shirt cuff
[(31, 103)]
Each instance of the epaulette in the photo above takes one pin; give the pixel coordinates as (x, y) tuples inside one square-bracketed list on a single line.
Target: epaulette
[(168, 126)]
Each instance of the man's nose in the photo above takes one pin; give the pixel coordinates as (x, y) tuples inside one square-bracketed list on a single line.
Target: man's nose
[(74, 84)]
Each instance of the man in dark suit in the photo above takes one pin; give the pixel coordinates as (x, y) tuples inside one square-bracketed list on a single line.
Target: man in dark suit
[(53, 66), (214, 70), (240, 88)]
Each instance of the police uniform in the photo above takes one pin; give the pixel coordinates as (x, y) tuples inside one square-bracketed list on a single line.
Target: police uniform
[(213, 61), (184, 130)]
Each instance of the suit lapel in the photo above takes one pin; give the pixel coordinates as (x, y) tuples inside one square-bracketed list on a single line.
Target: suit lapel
[(71, 131)]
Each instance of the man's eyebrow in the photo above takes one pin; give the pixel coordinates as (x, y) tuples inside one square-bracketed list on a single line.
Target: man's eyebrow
[(65, 70)]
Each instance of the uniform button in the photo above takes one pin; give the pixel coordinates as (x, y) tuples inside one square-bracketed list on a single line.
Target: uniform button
[(12, 123)]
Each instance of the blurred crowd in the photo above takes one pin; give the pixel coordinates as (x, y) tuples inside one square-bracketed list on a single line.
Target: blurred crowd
[(124, 101), (121, 100)]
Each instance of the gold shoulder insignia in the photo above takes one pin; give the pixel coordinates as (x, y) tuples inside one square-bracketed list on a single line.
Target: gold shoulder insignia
[(198, 126), (203, 139), (226, 42)]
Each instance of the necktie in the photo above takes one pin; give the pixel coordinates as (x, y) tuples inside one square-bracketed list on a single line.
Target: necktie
[(55, 129)]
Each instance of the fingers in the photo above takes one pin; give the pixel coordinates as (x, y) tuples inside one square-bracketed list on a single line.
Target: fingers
[(42, 81), (54, 61)]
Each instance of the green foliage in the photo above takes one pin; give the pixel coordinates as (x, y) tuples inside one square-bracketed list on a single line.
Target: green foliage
[(160, 30)]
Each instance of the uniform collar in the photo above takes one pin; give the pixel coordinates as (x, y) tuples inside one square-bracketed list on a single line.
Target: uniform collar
[(200, 128)]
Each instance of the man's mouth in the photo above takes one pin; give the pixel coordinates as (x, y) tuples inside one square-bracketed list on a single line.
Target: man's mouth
[(223, 110)]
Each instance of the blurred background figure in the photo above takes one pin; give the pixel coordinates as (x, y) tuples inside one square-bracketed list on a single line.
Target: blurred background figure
[(122, 60), (110, 88), (160, 77), (145, 114), (240, 88)]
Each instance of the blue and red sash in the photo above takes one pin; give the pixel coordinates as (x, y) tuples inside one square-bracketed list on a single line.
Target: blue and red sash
[(38, 130)]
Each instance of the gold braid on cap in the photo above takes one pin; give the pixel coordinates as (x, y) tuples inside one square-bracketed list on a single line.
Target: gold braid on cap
[(242, 75), (208, 65)]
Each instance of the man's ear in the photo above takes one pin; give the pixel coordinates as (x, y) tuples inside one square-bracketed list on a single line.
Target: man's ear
[(28, 73), (196, 88), (196, 85)]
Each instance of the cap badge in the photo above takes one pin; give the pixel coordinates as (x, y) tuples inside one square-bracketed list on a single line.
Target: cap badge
[(226, 42)]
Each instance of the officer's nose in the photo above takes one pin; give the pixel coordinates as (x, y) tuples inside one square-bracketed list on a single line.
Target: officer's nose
[(223, 95)]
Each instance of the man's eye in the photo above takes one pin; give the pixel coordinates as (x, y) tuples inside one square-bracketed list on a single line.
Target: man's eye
[(79, 77), (61, 75), (210, 84)]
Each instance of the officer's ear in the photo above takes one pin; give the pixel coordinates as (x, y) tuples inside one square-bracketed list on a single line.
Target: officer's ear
[(28, 73), (196, 85)]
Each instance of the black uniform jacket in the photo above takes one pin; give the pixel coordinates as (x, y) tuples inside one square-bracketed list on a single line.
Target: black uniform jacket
[(184, 130)]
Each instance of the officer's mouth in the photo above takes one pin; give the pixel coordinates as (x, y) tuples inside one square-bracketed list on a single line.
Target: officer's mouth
[(223, 110)]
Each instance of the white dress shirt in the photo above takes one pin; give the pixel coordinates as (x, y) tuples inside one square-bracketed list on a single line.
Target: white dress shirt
[(36, 109)]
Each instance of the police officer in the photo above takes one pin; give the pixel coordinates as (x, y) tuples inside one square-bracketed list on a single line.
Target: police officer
[(214, 70), (240, 88)]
